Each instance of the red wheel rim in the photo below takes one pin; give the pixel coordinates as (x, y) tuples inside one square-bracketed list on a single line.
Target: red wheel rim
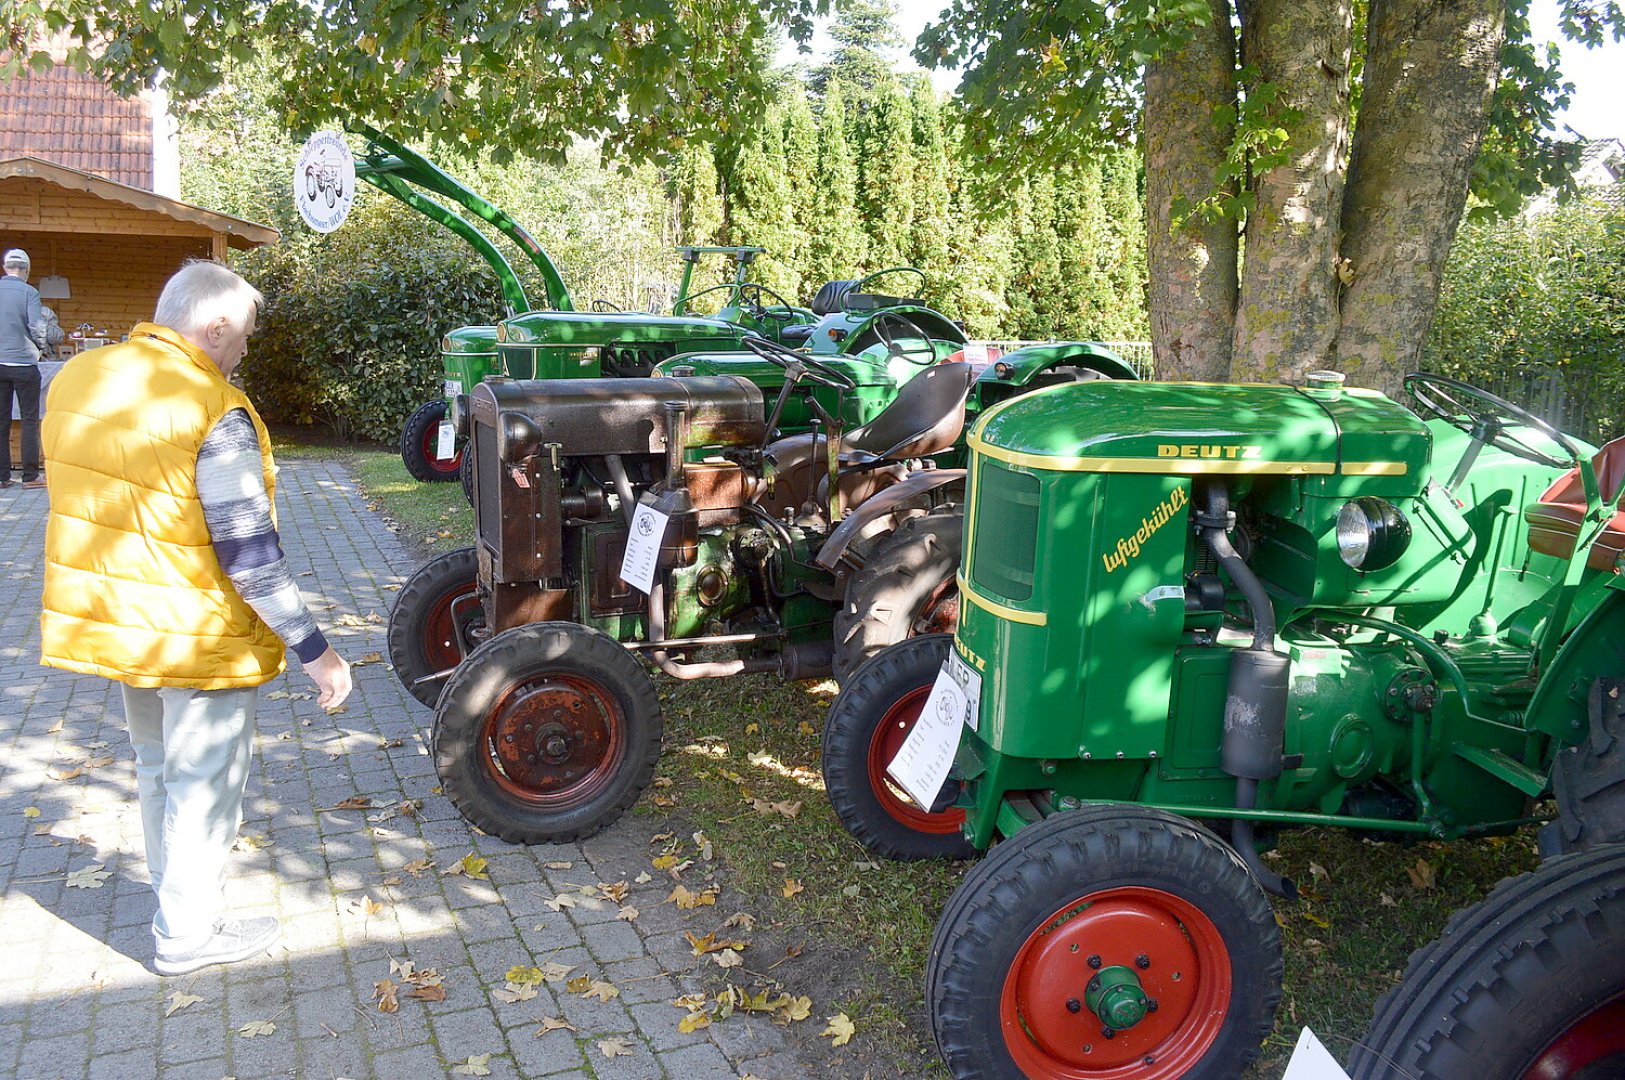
[(439, 640), (1598, 1037), (431, 443), (1175, 953), (883, 746), (554, 740), (941, 612)]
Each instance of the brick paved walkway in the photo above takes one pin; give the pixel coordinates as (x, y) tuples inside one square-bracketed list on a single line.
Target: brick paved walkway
[(77, 998)]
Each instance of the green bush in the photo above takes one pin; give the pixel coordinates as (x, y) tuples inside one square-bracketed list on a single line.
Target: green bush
[(350, 334)]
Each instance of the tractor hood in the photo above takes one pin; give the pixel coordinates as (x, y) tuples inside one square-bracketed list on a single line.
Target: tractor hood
[(1202, 428), (598, 328), (470, 340)]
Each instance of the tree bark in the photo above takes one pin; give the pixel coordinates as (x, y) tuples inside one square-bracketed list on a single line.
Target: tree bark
[(1192, 269), (1430, 70), (1287, 318)]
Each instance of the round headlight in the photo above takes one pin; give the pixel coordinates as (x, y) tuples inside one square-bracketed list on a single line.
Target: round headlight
[(1371, 534)]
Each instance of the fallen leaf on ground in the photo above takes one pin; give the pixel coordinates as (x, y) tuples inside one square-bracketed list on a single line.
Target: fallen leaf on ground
[(727, 958), (840, 1029), (418, 866), (559, 865), (602, 990), (89, 877), (59, 772), (644, 878), (476, 1065), (384, 990), (791, 887), (560, 902), (471, 864), (665, 862), (710, 944), (354, 802), (179, 1000), (255, 1028), (31, 811), (1422, 875), (708, 850), (428, 992), (687, 901), (694, 1021), (740, 919), (627, 913), (368, 658), (796, 1008), (251, 842), (513, 993), (554, 1023), (366, 906), (616, 892), (614, 1048)]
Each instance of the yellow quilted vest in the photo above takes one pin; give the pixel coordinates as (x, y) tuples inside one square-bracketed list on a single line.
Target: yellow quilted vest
[(133, 590)]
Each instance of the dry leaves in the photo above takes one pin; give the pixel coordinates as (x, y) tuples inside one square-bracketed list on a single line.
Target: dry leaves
[(89, 877), (470, 865), (476, 1065), (384, 991), (614, 1048), (31, 811), (255, 1028), (366, 907), (788, 809), (840, 1029), (354, 802), (179, 1000), (791, 887), (554, 1023), (688, 901), (1423, 876)]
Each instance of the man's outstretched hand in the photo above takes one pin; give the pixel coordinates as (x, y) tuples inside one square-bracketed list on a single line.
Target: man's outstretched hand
[(332, 674)]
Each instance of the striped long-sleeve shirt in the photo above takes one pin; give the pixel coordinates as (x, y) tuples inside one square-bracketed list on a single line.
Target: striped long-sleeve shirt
[(231, 486)]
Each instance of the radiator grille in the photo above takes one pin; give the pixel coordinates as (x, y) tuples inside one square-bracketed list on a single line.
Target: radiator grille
[(1004, 547)]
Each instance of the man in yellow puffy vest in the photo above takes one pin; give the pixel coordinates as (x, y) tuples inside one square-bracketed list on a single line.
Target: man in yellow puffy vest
[(164, 572)]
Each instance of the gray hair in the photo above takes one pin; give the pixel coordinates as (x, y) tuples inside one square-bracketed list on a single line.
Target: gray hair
[(17, 259), (202, 291)]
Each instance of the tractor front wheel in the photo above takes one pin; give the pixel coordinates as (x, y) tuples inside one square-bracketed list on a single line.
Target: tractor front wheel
[(906, 588), (547, 733), (436, 621), (420, 440), (866, 727), (1105, 943), (1528, 984)]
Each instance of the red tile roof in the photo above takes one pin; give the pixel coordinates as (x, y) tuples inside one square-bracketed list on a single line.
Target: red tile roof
[(70, 118)]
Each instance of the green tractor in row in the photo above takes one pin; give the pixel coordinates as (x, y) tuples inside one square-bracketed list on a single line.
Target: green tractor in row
[(1190, 616), (895, 335), (636, 523)]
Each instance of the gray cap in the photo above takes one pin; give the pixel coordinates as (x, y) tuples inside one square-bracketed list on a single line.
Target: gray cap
[(16, 259)]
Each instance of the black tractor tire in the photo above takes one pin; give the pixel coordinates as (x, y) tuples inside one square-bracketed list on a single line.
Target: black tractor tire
[(1529, 982), (424, 629), (547, 734), (418, 440), (866, 726), (1588, 780), (465, 473), (906, 588), (1125, 888)]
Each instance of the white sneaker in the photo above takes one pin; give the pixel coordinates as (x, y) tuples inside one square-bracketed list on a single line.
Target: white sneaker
[(232, 940)]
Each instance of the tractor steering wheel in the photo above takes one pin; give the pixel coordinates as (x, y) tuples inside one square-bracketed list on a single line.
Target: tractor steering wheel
[(604, 307), (813, 370), (858, 285), (1484, 417), (882, 328), (750, 297)]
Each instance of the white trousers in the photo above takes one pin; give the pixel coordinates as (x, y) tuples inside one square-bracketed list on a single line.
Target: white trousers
[(192, 749)]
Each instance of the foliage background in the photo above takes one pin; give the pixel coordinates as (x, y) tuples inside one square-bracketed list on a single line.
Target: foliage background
[(857, 168)]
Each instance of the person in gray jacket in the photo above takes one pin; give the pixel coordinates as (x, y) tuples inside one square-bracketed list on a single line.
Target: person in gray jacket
[(22, 340)]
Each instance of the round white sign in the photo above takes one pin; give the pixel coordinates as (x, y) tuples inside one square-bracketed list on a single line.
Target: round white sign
[(324, 181)]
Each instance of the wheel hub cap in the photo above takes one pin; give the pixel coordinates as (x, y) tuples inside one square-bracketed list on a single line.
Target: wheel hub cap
[(1115, 995), (551, 735)]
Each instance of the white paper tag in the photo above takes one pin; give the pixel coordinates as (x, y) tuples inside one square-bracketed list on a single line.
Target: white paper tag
[(922, 764), (445, 441), (643, 547), (452, 387), (970, 683), (1312, 1061), (975, 352)]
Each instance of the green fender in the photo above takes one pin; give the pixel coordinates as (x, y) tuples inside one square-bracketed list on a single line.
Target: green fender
[(1596, 648)]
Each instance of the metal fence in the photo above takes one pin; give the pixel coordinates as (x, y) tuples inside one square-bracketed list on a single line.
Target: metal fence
[(1137, 354), (1570, 404)]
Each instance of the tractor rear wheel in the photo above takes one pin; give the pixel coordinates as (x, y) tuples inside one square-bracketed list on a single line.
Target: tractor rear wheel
[(1108, 942), (465, 473), (866, 727), (1528, 984), (420, 440), (435, 622), (906, 588), (547, 733)]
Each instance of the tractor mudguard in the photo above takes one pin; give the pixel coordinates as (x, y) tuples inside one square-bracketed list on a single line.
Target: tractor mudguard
[(1026, 364), (887, 502), (1595, 648)]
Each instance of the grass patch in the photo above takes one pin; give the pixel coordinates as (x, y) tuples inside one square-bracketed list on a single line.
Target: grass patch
[(1367, 904)]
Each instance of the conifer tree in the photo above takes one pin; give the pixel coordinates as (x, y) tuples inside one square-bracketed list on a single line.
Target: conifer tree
[(694, 191), (801, 170), (886, 178), (836, 245), (758, 207), (928, 240)]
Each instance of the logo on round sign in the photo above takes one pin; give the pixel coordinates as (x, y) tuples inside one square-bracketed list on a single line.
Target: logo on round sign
[(645, 526), (324, 181)]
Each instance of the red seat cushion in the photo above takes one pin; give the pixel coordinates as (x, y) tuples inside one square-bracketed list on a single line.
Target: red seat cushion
[(1555, 518)]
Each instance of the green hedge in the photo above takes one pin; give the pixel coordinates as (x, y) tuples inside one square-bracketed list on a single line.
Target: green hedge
[(350, 334)]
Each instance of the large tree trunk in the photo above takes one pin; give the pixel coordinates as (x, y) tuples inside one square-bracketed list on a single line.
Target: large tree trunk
[(1192, 269), (1430, 69), (1286, 322)]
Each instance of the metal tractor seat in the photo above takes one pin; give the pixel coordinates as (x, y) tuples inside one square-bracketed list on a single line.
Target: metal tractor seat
[(829, 297), (1556, 517)]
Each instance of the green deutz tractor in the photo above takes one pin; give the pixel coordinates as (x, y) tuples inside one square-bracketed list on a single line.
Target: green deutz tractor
[(1193, 615), (625, 524)]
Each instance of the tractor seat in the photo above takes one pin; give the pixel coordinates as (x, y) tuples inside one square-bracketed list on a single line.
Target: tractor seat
[(925, 417), (1556, 517), (798, 334), (828, 300)]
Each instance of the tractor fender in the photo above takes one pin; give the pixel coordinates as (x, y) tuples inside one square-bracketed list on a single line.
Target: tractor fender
[(1024, 365), (903, 495), (1595, 649)]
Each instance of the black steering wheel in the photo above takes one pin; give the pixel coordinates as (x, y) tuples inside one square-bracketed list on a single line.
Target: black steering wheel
[(1485, 417), (812, 369), (750, 297), (858, 285), (604, 307), (883, 326)]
